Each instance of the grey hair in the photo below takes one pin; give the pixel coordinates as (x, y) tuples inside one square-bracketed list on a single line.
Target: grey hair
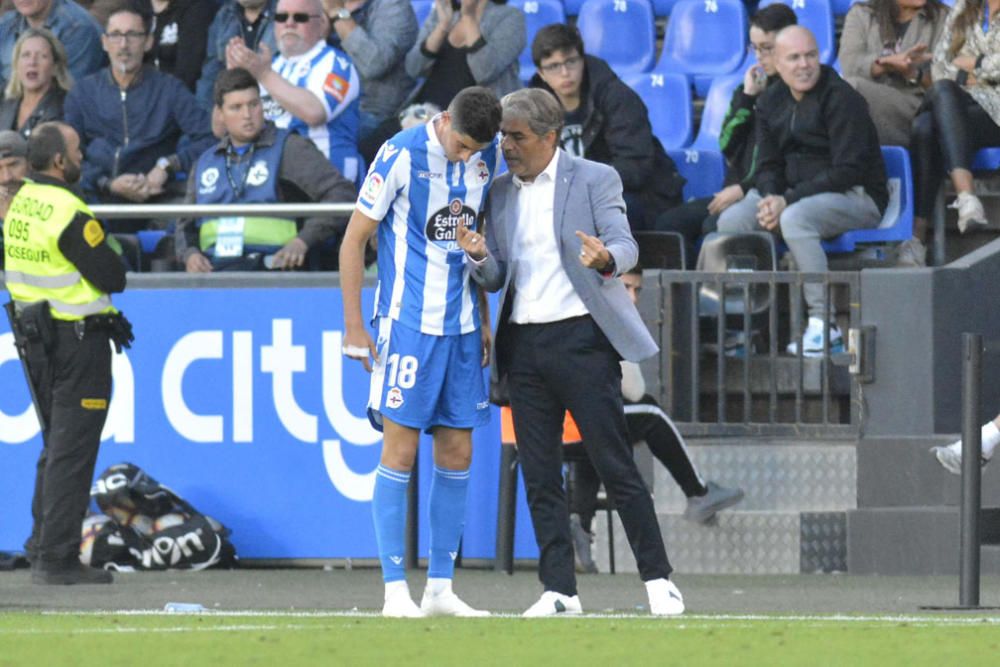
[(538, 107)]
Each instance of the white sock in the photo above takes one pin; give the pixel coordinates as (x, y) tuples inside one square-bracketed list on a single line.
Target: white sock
[(396, 588), (436, 586), (989, 437)]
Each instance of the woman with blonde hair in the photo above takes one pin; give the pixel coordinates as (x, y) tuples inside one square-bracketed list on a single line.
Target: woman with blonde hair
[(39, 82)]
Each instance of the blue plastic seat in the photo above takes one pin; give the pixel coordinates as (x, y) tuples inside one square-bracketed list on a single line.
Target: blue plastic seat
[(705, 39), (537, 15), (572, 7), (662, 8), (818, 17), (720, 94), (897, 223), (704, 170), (422, 9), (668, 101), (841, 7), (987, 159), (619, 31)]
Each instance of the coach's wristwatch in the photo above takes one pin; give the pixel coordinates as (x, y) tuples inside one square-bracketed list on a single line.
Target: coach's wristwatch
[(341, 14)]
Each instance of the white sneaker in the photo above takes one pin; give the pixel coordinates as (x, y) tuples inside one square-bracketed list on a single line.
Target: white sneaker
[(446, 603), (399, 604), (950, 457), (664, 598), (554, 604), (970, 211), (812, 339), (911, 253)]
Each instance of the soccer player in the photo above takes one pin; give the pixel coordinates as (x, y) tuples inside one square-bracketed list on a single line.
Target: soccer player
[(425, 182)]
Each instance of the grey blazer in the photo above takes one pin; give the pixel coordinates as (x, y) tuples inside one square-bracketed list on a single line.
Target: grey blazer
[(588, 197)]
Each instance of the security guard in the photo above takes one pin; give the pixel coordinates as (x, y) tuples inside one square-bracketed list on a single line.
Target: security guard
[(60, 271)]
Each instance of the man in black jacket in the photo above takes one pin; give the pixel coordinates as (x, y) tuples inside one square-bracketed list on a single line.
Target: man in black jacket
[(606, 121), (820, 171)]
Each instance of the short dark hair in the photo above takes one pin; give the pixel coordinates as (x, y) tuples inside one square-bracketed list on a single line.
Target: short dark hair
[(774, 17), (132, 7), (635, 270), (45, 143), (231, 80), (555, 37), (475, 112)]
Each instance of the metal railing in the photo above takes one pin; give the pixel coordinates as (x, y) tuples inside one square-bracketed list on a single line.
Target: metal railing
[(754, 387), (170, 211)]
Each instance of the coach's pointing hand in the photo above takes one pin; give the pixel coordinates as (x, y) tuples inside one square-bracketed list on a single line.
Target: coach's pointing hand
[(593, 254), (471, 242)]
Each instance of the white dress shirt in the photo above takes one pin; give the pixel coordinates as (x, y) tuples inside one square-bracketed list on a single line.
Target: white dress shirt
[(542, 290)]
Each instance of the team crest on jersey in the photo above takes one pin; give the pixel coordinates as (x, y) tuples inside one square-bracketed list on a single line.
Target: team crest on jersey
[(482, 172), (209, 178), (258, 174), (442, 227), (394, 399), (272, 108), (371, 188)]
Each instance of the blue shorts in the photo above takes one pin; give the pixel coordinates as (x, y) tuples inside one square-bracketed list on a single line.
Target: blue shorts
[(422, 381)]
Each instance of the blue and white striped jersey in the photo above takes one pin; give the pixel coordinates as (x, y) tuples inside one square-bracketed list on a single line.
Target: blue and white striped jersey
[(331, 76), (421, 198)]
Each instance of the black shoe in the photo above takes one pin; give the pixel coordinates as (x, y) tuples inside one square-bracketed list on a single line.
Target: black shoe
[(74, 574)]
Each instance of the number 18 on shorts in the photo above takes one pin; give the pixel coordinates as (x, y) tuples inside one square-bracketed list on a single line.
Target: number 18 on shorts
[(423, 381)]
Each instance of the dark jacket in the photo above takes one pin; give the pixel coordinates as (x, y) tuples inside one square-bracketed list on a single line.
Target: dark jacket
[(826, 142), (305, 175), (226, 25), (126, 131), (49, 108), (738, 137), (617, 132), (180, 33)]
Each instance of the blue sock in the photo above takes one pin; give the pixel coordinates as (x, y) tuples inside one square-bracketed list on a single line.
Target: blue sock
[(447, 514), (389, 513)]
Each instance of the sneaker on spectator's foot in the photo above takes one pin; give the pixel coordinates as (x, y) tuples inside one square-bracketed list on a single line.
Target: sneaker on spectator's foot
[(812, 339), (582, 542), (446, 603), (912, 253), (399, 604), (950, 456), (970, 211), (700, 509), (554, 604), (664, 598)]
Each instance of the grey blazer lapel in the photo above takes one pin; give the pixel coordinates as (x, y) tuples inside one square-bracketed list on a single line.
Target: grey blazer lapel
[(564, 178)]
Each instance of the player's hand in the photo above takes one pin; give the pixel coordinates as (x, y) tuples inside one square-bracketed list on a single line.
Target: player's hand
[(471, 242), (359, 345), (197, 263), (725, 198), (487, 344), (593, 254), (292, 255)]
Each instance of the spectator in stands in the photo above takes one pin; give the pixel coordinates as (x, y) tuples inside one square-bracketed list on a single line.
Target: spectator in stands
[(75, 28), (885, 53), (13, 169), (737, 138), (180, 35), (462, 43), (606, 121), (950, 456), (131, 119), (646, 422), (820, 170), (376, 34), (257, 163), (250, 20), (40, 81), (961, 113), (310, 87)]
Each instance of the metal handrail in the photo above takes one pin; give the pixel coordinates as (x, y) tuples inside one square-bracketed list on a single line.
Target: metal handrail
[(118, 211)]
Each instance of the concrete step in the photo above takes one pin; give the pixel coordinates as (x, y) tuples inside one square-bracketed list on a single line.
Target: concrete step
[(909, 541), (775, 475), (738, 543)]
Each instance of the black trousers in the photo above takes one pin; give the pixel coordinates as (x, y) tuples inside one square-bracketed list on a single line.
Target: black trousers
[(73, 381), (948, 129), (646, 421), (570, 365)]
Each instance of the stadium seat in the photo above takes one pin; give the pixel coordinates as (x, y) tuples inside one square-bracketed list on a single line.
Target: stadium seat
[(714, 112), (704, 170), (537, 14), (818, 17), (705, 39), (422, 9), (726, 253), (621, 32), (661, 250), (897, 223), (662, 8), (987, 159), (668, 100), (572, 7)]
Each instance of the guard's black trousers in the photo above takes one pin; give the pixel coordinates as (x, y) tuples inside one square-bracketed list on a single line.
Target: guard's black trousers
[(571, 365), (73, 382)]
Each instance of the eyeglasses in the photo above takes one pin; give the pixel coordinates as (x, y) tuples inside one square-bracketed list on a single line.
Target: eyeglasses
[(297, 17), (119, 37), (761, 50), (567, 65)]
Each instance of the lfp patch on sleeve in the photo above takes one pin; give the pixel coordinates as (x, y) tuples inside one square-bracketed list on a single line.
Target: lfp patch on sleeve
[(93, 233)]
